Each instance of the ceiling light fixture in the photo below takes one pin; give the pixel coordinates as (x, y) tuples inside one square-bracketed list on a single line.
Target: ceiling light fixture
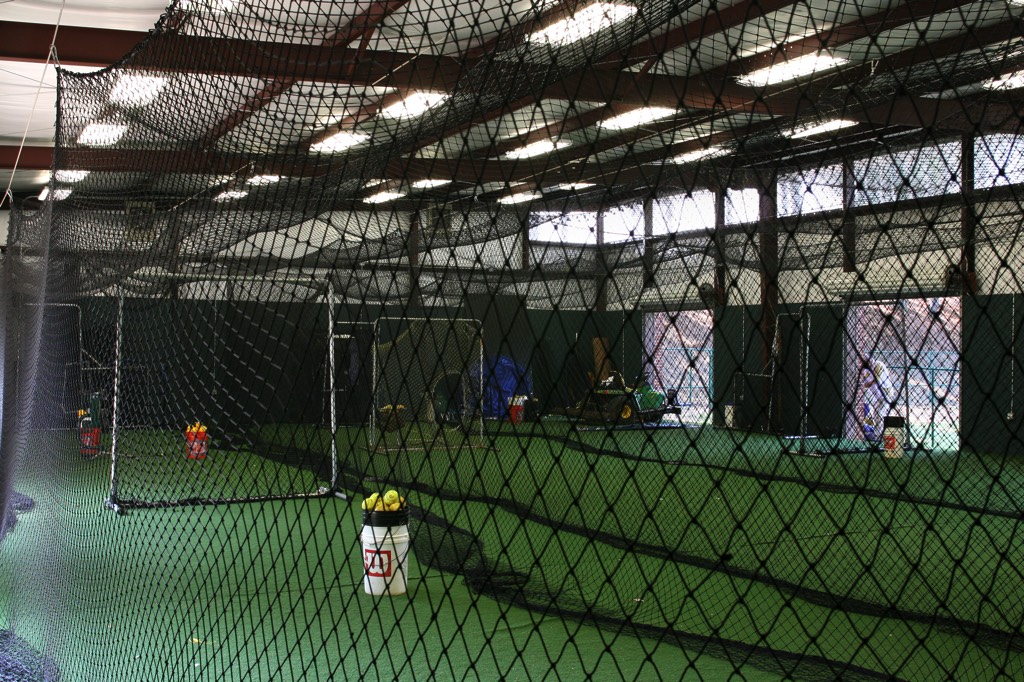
[(216, 6), (791, 69), (229, 194), (70, 175), (636, 117), (572, 186), (133, 90), (414, 105), (381, 197), (819, 128), (1010, 81), (339, 141), (58, 194), (102, 134), (428, 184), (260, 180), (701, 154), (520, 198), (586, 22), (537, 148)]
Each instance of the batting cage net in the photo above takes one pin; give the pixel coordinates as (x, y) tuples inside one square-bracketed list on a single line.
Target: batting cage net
[(638, 339)]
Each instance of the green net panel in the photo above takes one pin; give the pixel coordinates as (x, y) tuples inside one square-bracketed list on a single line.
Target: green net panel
[(686, 334), (427, 384)]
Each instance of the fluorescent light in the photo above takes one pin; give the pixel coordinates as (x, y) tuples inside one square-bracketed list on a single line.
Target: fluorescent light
[(229, 194), (58, 194), (133, 90), (537, 148), (819, 128), (519, 198), (212, 5), (381, 197), (260, 180), (373, 183), (586, 22), (575, 185), (339, 141), (789, 70), (102, 134), (1011, 81), (428, 184), (701, 154), (637, 117), (415, 104), (70, 175)]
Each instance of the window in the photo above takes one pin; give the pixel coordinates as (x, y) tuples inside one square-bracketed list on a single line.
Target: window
[(908, 174), (742, 206), (566, 228), (811, 191), (624, 224), (998, 161), (684, 213)]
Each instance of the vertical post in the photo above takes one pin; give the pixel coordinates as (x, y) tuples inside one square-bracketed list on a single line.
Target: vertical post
[(601, 279), (805, 398), (768, 246), (648, 257), (849, 227), (719, 244), (734, 391), (524, 241), (906, 367), (413, 254), (330, 384), (968, 218), (480, 390), (118, 326), (374, 342)]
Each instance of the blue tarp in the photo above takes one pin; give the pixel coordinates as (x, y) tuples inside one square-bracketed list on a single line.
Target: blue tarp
[(505, 378)]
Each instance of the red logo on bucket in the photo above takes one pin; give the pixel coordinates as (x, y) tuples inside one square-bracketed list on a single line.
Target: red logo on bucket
[(377, 562), (890, 442)]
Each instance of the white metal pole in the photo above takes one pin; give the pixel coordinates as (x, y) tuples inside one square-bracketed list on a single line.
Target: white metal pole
[(373, 384), (112, 500), (805, 324), (331, 386), (480, 385)]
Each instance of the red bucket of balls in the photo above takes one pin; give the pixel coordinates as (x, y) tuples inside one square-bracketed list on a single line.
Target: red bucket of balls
[(197, 442)]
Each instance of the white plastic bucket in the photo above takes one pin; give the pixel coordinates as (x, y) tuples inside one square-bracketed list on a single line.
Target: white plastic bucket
[(385, 550), (893, 436), (730, 416)]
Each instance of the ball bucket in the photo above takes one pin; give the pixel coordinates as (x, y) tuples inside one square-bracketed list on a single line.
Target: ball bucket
[(385, 550), (893, 436), (197, 445), (89, 439)]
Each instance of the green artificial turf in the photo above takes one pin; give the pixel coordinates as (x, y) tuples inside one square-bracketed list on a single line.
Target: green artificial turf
[(270, 591), (625, 554)]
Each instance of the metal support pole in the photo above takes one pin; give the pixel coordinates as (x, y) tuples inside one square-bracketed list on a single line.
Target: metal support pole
[(332, 388), (805, 399), (480, 378), (375, 342), (112, 499)]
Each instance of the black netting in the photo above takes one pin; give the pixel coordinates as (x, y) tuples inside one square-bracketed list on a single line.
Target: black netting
[(520, 340)]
